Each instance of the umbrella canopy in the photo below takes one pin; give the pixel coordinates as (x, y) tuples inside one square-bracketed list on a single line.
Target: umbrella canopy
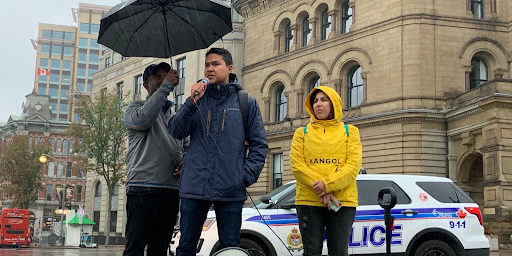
[(76, 220), (164, 28)]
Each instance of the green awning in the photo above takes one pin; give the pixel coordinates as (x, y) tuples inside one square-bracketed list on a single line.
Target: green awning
[(76, 221)]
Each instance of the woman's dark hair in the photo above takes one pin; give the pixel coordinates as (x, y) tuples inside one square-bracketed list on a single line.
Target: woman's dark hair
[(312, 98), (312, 101)]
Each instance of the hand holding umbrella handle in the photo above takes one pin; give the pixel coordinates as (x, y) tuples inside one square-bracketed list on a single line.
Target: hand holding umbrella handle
[(172, 77)]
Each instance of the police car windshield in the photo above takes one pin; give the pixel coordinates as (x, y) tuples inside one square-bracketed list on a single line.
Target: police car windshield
[(275, 195)]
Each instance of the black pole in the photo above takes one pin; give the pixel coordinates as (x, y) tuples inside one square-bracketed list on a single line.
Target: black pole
[(166, 34), (388, 219), (387, 200)]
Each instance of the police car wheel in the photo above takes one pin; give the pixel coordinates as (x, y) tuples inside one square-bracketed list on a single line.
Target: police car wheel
[(434, 248), (252, 247)]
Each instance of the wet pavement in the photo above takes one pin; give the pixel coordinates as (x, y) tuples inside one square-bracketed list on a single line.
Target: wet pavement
[(115, 250), (502, 253), (61, 251)]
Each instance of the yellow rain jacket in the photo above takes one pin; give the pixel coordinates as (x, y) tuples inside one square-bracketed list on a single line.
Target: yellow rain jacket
[(324, 152)]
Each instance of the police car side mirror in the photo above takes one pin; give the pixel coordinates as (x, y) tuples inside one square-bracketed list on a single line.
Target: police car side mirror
[(265, 199), (290, 204), (387, 198)]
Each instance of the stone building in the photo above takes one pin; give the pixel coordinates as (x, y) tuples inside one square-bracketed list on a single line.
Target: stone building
[(36, 123), (428, 83)]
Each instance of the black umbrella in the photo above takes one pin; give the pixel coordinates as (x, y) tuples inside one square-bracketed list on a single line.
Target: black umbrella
[(163, 28)]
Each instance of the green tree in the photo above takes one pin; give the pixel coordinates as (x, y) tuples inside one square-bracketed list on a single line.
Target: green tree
[(102, 135), (21, 170)]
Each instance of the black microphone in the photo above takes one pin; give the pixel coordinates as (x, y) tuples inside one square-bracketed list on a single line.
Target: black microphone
[(205, 81)]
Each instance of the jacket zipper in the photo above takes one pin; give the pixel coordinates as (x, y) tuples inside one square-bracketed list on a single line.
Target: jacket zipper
[(223, 119)]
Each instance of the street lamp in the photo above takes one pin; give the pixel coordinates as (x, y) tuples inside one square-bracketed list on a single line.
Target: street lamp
[(43, 159)]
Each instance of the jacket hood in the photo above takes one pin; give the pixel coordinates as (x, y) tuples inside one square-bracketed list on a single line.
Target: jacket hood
[(234, 81), (333, 96)]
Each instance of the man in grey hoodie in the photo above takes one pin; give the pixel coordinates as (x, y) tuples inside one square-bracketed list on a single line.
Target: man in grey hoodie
[(153, 164)]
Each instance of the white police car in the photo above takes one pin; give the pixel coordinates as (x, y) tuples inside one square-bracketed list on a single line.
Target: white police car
[(433, 216)]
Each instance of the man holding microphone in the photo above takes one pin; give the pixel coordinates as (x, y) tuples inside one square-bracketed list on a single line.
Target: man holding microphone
[(223, 158), (153, 164)]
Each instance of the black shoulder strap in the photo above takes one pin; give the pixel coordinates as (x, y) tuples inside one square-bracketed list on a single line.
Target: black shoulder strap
[(243, 99)]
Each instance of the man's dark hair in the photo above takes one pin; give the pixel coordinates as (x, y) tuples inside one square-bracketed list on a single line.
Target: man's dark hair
[(226, 55)]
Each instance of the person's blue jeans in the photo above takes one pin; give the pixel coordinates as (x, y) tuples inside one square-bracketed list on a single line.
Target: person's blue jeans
[(193, 214)]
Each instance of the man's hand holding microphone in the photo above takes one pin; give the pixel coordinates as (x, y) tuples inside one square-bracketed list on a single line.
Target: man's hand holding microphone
[(198, 89)]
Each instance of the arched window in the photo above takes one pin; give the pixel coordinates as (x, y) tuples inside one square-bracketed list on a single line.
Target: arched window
[(79, 193), (52, 144), (477, 8), (288, 37), (60, 168), (30, 142), (97, 189), (306, 31), (355, 87), (41, 140), (71, 145), (280, 104), (479, 72), (326, 25), (59, 193), (65, 146), (59, 147), (346, 17), (314, 82)]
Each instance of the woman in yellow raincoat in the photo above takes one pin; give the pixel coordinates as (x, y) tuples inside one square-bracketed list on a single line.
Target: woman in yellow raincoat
[(325, 158)]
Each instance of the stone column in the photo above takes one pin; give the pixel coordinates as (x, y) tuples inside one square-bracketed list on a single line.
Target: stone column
[(295, 29), (364, 75), (314, 38), (493, 6), (352, 5), (299, 102), (277, 42), (334, 23), (287, 95), (266, 110), (467, 72)]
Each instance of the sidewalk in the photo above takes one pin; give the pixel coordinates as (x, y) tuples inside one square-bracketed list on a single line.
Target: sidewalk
[(502, 253)]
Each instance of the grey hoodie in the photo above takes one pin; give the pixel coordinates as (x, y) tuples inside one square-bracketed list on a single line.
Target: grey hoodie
[(153, 153)]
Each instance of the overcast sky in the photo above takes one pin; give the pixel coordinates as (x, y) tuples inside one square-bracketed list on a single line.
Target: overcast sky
[(19, 22)]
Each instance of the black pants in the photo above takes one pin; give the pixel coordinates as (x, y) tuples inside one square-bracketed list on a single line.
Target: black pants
[(151, 218), (314, 221)]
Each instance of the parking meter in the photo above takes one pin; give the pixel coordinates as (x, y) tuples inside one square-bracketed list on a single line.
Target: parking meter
[(387, 200)]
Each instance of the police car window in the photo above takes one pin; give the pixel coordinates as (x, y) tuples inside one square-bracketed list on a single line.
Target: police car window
[(369, 191), (445, 192), (276, 194), (285, 200)]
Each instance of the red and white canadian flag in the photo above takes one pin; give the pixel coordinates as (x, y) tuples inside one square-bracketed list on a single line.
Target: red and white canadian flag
[(43, 72)]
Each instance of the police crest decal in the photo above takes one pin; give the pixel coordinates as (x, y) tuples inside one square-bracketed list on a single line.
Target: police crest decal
[(294, 239)]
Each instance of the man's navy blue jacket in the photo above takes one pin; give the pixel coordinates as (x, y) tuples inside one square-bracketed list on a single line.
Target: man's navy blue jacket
[(207, 174)]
